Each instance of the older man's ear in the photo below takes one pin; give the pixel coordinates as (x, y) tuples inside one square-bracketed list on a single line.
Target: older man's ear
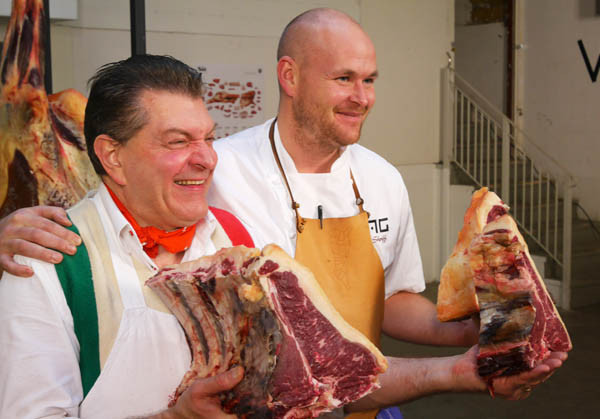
[(108, 151)]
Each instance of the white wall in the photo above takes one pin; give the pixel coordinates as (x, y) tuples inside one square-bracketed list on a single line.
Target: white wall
[(411, 38), (561, 103)]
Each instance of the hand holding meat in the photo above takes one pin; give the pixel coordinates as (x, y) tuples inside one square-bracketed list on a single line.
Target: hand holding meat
[(510, 387), (33, 232), (520, 386), (201, 399)]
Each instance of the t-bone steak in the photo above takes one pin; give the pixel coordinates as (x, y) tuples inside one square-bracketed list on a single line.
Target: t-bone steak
[(490, 272), (266, 312)]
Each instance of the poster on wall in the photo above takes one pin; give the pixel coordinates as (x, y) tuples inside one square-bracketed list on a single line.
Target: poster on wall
[(233, 95)]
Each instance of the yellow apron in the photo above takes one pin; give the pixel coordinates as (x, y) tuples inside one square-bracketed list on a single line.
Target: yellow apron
[(340, 253)]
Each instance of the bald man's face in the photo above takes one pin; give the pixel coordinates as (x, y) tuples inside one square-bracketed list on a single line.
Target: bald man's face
[(336, 89)]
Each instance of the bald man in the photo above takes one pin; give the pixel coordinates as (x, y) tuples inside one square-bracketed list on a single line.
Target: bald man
[(302, 181)]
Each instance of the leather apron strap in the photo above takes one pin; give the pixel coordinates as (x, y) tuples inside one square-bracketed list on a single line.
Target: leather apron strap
[(340, 253), (295, 205)]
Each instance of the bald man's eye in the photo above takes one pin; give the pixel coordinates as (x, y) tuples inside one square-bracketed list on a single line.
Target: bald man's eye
[(343, 78)]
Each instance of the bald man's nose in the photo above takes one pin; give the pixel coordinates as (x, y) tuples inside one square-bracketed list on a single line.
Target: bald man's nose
[(360, 94)]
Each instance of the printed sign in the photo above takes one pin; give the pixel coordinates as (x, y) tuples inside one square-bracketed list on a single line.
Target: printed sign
[(233, 96)]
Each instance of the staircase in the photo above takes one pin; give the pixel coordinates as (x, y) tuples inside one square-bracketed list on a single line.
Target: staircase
[(482, 147), (585, 265)]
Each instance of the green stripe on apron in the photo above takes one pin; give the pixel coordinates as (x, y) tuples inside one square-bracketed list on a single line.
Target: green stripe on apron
[(75, 276)]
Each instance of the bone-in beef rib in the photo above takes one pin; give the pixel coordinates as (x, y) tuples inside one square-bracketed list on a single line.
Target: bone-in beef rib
[(266, 312), (490, 272)]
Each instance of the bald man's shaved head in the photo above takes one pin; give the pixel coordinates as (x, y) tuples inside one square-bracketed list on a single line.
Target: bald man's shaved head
[(326, 67), (300, 32)]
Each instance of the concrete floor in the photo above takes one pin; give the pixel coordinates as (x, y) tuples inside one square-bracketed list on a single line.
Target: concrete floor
[(572, 392)]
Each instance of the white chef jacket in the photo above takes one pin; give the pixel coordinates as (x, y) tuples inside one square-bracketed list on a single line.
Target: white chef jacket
[(248, 183), (39, 351)]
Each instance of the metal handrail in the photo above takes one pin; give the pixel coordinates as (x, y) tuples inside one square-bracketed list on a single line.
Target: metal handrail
[(491, 151), (497, 115)]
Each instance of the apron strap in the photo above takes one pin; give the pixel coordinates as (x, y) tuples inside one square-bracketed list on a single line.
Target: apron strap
[(359, 200), (299, 220), (75, 276), (295, 205), (233, 227)]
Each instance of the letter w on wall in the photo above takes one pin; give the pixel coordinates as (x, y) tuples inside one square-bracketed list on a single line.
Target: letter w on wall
[(593, 72)]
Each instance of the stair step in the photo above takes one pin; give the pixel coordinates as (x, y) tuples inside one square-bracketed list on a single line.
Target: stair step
[(585, 266), (585, 296)]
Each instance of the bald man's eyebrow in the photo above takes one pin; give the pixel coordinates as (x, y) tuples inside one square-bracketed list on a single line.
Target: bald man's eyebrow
[(352, 73)]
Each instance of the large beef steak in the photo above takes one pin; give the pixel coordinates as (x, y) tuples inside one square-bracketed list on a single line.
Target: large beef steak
[(490, 272), (266, 312)]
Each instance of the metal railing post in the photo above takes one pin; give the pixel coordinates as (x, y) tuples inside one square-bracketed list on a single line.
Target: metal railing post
[(447, 128), (505, 173), (448, 121), (567, 239)]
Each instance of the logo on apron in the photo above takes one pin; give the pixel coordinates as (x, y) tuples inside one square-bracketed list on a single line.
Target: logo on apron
[(377, 226)]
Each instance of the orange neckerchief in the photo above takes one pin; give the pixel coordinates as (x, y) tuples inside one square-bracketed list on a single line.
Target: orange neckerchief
[(174, 241)]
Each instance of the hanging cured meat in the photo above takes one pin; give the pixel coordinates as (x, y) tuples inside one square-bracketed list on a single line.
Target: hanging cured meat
[(266, 312), (43, 157), (490, 272)]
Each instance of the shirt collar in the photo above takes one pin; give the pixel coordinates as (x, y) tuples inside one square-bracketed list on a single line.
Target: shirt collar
[(288, 163), (201, 244)]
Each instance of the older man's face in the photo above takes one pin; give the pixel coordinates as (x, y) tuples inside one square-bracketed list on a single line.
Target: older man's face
[(168, 164)]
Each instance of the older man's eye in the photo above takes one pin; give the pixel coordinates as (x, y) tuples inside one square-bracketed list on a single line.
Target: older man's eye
[(178, 142), (343, 78)]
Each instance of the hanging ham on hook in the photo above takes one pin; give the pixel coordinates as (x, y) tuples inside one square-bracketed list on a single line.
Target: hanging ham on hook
[(43, 156)]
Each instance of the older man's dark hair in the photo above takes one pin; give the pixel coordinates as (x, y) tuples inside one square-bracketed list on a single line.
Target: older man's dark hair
[(113, 106)]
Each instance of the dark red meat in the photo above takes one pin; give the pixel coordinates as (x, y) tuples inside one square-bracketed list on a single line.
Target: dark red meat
[(241, 307)]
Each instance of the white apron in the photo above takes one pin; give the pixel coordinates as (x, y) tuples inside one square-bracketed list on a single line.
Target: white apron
[(149, 356)]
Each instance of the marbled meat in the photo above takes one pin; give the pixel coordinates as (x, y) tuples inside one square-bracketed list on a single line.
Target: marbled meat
[(266, 312), (491, 272)]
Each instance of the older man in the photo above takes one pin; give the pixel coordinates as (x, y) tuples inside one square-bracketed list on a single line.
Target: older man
[(302, 182), (86, 338)]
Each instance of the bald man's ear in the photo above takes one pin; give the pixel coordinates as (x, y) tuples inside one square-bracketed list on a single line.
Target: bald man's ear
[(287, 74), (107, 150)]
